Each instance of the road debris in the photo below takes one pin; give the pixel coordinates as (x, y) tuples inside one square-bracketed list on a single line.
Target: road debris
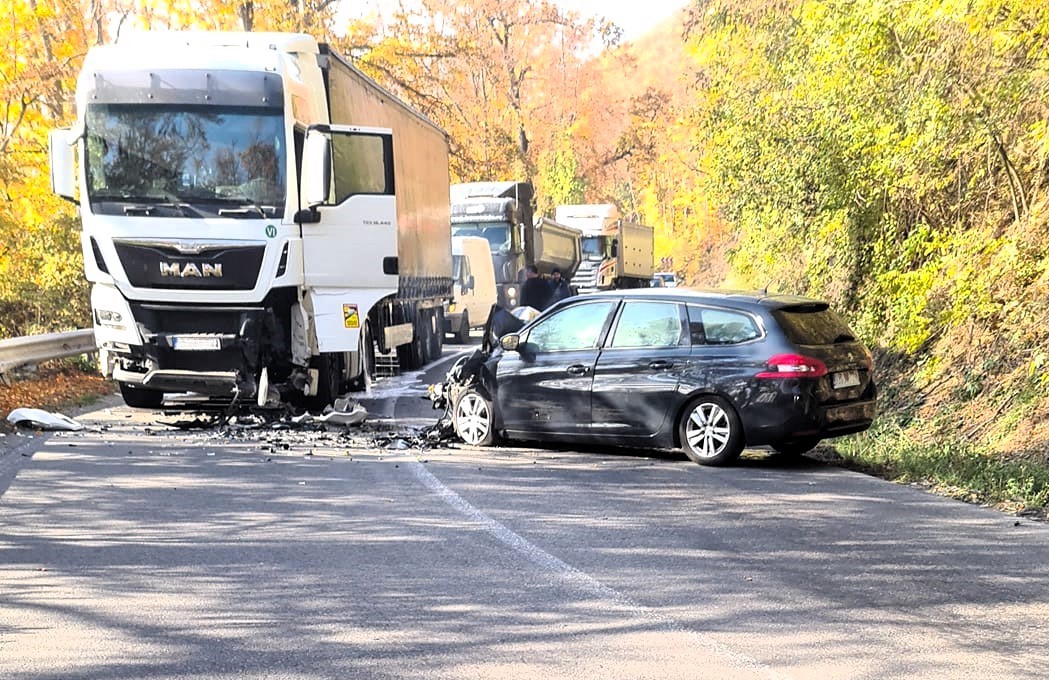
[(39, 419)]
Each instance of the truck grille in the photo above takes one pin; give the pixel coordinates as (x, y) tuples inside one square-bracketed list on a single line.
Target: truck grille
[(221, 268)]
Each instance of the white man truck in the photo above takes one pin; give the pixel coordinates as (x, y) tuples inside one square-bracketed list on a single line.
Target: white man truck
[(617, 253), (259, 218)]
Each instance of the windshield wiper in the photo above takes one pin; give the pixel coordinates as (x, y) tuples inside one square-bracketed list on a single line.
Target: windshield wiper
[(246, 206), (145, 205)]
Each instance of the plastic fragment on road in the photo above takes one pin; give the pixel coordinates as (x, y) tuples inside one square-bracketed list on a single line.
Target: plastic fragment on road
[(43, 420), (345, 412)]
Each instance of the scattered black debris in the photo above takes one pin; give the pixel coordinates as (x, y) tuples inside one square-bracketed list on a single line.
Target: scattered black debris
[(346, 427)]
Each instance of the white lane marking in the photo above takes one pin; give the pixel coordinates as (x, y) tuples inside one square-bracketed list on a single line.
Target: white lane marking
[(580, 579)]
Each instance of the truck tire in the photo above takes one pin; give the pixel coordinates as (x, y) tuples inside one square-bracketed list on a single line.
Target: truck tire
[(462, 335), (141, 397), (366, 374), (331, 377), (436, 333)]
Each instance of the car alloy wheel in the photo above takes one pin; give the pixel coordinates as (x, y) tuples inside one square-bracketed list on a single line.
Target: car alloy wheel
[(710, 432), (473, 418)]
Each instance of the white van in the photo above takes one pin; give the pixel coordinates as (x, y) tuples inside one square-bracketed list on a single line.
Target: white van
[(474, 279)]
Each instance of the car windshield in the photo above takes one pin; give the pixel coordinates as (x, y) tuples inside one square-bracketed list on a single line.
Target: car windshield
[(813, 324), (197, 159)]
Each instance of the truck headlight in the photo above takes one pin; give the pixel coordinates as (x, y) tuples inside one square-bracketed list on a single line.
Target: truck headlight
[(106, 317)]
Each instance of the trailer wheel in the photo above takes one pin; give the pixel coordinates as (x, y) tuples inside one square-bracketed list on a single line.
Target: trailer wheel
[(413, 355), (141, 397), (436, 333)]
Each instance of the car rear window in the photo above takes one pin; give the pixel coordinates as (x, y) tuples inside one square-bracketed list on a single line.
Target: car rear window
[(813, 324), (720, 326)]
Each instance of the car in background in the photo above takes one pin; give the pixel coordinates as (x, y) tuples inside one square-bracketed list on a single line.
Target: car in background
[(708, 372), (664, 280)]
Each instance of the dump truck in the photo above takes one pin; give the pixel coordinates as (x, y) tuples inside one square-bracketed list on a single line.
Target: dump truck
[(502, 213), (616, 253), (259, 218)]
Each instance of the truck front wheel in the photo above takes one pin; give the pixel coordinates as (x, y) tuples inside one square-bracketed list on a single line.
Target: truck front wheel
[(463, 335), (330, 376), (141, 397)]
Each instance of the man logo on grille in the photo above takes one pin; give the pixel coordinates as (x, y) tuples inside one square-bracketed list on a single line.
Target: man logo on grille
[(187, 270)]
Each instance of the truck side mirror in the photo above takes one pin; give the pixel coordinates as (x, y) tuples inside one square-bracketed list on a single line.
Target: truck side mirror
[(470, 282), (316, 168), (615, 247), (390, 265), (63, 163)]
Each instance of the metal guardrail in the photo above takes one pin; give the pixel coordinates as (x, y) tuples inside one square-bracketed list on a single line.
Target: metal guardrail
[(32, 349)]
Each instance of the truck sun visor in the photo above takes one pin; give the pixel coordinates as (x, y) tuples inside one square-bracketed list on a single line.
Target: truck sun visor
[(184, 86)]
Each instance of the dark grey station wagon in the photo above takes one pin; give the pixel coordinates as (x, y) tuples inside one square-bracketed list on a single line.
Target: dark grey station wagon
[(708, 372)]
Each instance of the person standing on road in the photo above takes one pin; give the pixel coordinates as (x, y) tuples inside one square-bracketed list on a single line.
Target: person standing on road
[(559, 288), (535, 292)]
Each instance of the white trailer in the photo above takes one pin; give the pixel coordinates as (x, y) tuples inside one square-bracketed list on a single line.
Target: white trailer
[(258, 217)]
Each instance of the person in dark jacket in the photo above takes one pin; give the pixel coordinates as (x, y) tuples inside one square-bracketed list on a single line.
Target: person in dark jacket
[(559, 288), (534, 291)]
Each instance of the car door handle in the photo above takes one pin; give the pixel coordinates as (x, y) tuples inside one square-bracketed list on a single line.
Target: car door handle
[(578, 369), (660, 364)]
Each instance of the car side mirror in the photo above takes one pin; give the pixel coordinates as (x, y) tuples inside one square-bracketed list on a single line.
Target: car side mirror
[(510, 342)]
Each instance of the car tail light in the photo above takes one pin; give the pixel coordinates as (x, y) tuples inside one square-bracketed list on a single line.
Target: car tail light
[(793, 366)]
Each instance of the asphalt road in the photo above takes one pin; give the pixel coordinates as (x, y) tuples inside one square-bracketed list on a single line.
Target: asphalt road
[(139, 550)]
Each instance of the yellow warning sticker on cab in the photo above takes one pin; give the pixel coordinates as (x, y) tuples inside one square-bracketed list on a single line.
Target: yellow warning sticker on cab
[(350, 317)]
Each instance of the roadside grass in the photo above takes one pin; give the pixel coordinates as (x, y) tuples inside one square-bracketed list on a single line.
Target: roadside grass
[(952, 468)]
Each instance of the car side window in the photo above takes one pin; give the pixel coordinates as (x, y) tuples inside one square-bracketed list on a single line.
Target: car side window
[(720, 326), (650, 324), (575, 327)]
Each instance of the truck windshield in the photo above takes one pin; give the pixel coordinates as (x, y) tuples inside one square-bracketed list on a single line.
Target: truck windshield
[(594, 245), (496, 233), (187, 161)]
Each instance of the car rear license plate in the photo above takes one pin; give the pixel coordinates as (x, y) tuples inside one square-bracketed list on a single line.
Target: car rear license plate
[(845, 379), (195, 343)]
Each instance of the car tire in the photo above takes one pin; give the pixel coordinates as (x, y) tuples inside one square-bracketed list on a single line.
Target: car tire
[(463, 335), (710, 431), (474, 418), (796, 447), (141, 397)]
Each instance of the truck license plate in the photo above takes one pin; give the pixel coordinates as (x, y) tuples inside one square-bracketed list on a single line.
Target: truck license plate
[(845, 379), (194, 343)]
